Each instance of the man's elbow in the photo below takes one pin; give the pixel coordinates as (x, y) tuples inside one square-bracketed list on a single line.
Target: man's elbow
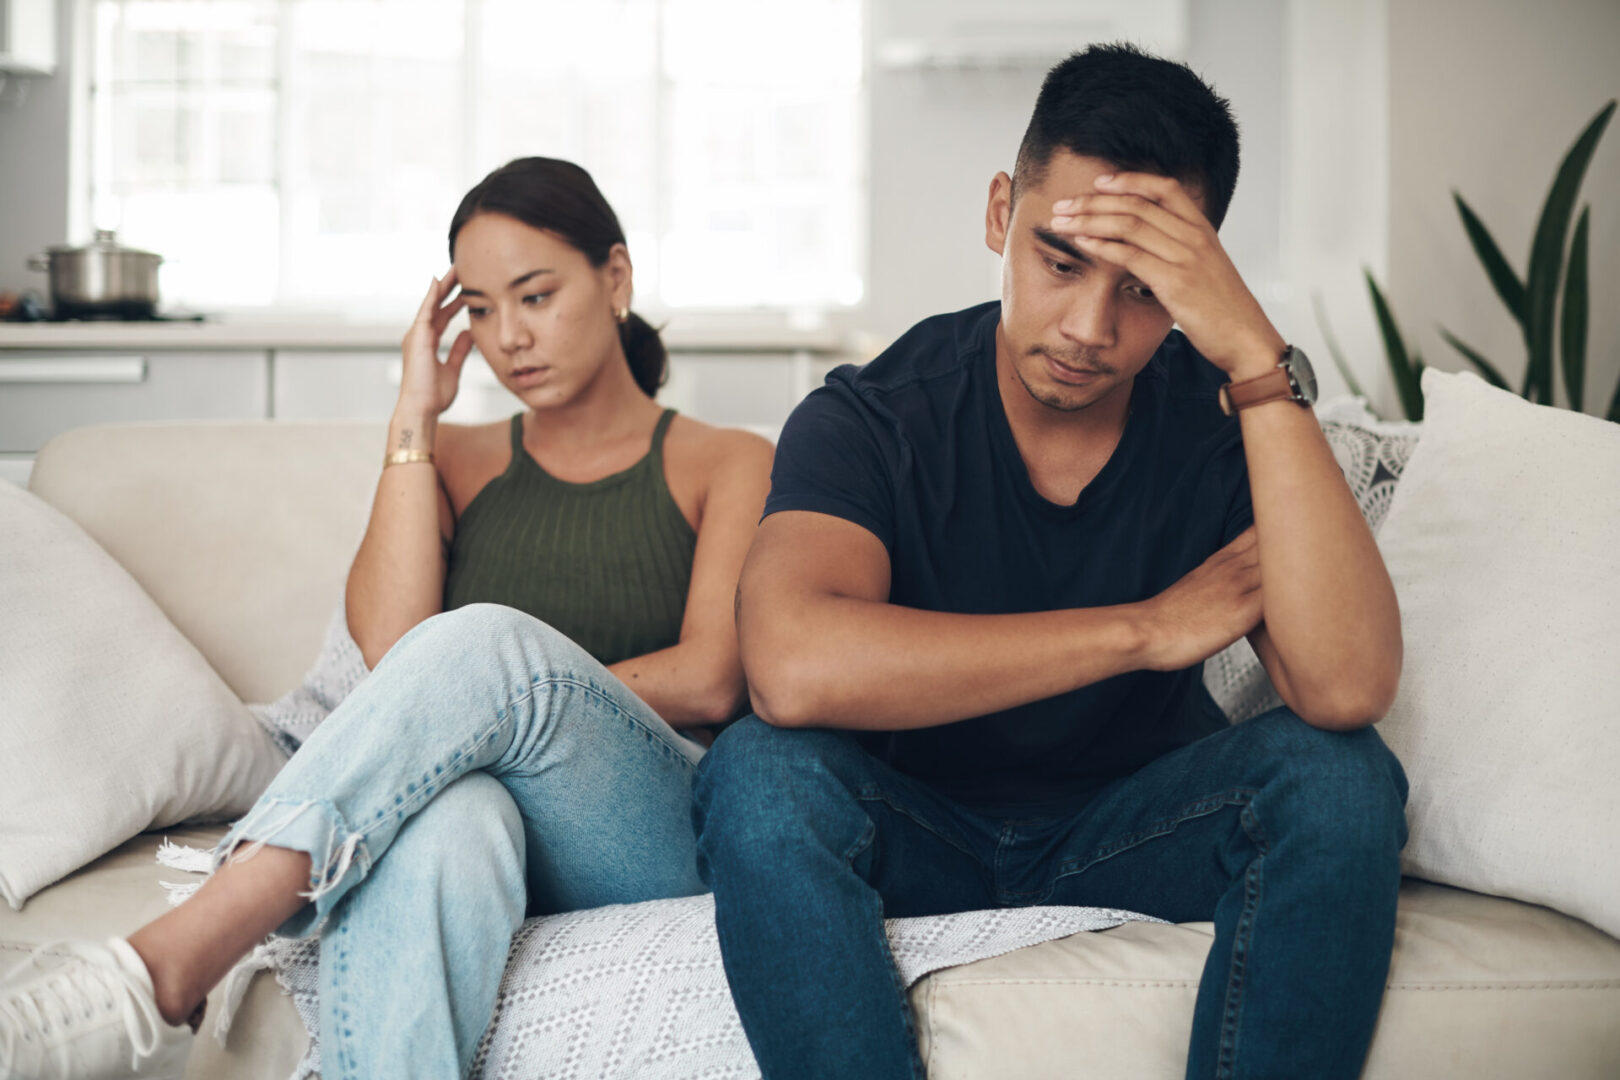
[(780, 697), (725, 699), (1353, 705)]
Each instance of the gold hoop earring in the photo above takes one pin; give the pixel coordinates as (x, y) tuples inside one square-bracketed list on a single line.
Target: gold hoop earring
[(622, 316)]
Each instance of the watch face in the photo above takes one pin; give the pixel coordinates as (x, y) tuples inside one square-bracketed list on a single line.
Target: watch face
[(1299, 366)]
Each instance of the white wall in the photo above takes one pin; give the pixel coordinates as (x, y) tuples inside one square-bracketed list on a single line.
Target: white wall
[(1335, 194), (1486, 98), (939, 135), (34, 162)]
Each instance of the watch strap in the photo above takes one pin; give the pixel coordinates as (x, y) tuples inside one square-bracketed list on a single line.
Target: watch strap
[(1274, 385)]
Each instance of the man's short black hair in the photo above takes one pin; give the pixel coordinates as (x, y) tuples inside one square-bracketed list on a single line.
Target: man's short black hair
[(1139, 112)]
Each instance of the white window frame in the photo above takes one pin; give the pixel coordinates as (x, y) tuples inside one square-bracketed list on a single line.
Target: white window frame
[(802, 314)]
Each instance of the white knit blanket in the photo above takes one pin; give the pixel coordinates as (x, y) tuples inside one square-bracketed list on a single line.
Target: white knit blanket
[(638, 991)]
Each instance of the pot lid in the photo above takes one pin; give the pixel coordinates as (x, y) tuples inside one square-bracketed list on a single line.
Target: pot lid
[(106, 241)]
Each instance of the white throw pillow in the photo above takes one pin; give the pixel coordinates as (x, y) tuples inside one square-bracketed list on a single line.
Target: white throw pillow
[(111, 722), (1503, 540)]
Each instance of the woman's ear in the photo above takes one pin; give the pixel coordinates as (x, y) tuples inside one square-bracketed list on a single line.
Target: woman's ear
[(620, 276)]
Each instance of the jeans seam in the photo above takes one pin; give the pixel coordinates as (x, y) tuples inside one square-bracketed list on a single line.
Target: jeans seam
[(862, 842), (345, 1055), (877, 795), (607, 698), (1242, 936), (1164, 826)]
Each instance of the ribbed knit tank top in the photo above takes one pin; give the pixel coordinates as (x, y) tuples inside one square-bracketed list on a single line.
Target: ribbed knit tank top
[(607, 562)]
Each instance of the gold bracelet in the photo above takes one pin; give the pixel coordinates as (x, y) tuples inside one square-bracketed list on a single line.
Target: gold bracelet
[(405, 457)]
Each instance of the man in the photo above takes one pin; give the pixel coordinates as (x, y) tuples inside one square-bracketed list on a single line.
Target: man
[(974, 619)]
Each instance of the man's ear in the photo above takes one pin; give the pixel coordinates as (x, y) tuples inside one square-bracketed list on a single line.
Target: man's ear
[(998, 213)]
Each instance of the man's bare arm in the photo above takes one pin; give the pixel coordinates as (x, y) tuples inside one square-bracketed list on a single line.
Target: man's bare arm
[(823, 647), (1331, 640)]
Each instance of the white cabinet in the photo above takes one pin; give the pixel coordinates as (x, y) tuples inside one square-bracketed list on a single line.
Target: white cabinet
[(45, 392), (729, 388), (364, 385), (28, 36)]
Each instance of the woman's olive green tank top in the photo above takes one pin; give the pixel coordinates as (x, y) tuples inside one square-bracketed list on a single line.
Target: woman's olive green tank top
[(607, 563)]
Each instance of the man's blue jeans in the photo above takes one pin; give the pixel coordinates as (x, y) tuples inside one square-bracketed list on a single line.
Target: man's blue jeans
[(1287, 837)]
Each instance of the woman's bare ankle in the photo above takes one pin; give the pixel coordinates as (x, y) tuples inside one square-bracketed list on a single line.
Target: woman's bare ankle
[(177, 1001), (192, 947)]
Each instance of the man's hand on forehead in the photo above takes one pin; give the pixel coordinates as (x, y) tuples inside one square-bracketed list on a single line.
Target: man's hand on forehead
[(1150, 227)]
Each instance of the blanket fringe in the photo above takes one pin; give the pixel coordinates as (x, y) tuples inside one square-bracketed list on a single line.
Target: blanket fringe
[(191, 860), (178, 892), (262, 958)]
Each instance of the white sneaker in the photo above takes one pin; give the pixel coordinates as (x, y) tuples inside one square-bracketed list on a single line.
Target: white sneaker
[(89, 1015)]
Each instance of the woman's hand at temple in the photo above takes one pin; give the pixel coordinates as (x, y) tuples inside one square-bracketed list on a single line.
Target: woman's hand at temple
[(397, 579), (428, 385)]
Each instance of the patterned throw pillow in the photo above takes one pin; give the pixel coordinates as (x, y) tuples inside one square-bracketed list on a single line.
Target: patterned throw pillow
[(1371, 452)]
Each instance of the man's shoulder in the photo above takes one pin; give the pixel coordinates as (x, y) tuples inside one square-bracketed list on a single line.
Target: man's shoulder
[(939, 348)]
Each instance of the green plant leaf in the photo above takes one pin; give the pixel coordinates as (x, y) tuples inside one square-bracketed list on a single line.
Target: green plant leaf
[(1507, 283), (1486, 368), (1572, 330), (1401, 366), (1547, 257), (1333, 346)]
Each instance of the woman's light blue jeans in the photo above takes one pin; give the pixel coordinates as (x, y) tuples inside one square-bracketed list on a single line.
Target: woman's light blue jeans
[(487, 769)]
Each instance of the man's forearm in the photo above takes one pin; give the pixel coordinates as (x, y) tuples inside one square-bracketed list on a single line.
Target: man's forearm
[(846, 662), (1329, 607)]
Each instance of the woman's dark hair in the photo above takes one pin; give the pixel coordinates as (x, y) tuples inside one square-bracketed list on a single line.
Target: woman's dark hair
[(561, 198), (1138, 112)]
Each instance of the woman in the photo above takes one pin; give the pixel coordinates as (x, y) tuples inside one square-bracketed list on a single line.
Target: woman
[(493, 764)]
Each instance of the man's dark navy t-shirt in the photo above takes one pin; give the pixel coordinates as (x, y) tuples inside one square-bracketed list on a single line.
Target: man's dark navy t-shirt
[(916, 448)]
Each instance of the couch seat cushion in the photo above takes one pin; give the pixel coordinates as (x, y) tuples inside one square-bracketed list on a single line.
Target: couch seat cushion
[(120, 892), (1478, 986)]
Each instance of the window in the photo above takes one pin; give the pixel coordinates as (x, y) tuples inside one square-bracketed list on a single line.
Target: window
[(309, 153)]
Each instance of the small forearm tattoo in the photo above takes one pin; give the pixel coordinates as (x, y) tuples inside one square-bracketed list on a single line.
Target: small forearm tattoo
[(405, 438)]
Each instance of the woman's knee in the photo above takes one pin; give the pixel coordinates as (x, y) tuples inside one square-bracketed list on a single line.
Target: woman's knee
[(483, 632)]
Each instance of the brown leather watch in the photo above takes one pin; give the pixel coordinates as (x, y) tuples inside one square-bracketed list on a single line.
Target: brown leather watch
[(1291, 380)]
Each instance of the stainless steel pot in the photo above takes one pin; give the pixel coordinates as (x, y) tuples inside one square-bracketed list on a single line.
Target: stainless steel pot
[(101, 280)]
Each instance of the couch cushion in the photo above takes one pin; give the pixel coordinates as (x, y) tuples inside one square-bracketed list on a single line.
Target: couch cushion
[(241, 531), (118, 893), (110, 720), (1478, 986)]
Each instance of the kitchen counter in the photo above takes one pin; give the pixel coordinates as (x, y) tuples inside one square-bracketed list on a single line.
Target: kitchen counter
[(56, 376), (682, 335)]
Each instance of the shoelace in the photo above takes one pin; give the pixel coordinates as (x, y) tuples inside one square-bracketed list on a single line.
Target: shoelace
[(139, 1014)]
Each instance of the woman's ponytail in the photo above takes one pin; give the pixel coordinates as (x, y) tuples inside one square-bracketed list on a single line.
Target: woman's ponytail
[(649, 360)]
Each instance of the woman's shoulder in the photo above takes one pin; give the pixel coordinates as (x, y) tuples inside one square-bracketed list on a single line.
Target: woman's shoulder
[(710, 448)]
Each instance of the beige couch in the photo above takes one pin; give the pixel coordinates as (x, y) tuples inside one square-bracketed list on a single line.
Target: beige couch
[(242, 533)]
